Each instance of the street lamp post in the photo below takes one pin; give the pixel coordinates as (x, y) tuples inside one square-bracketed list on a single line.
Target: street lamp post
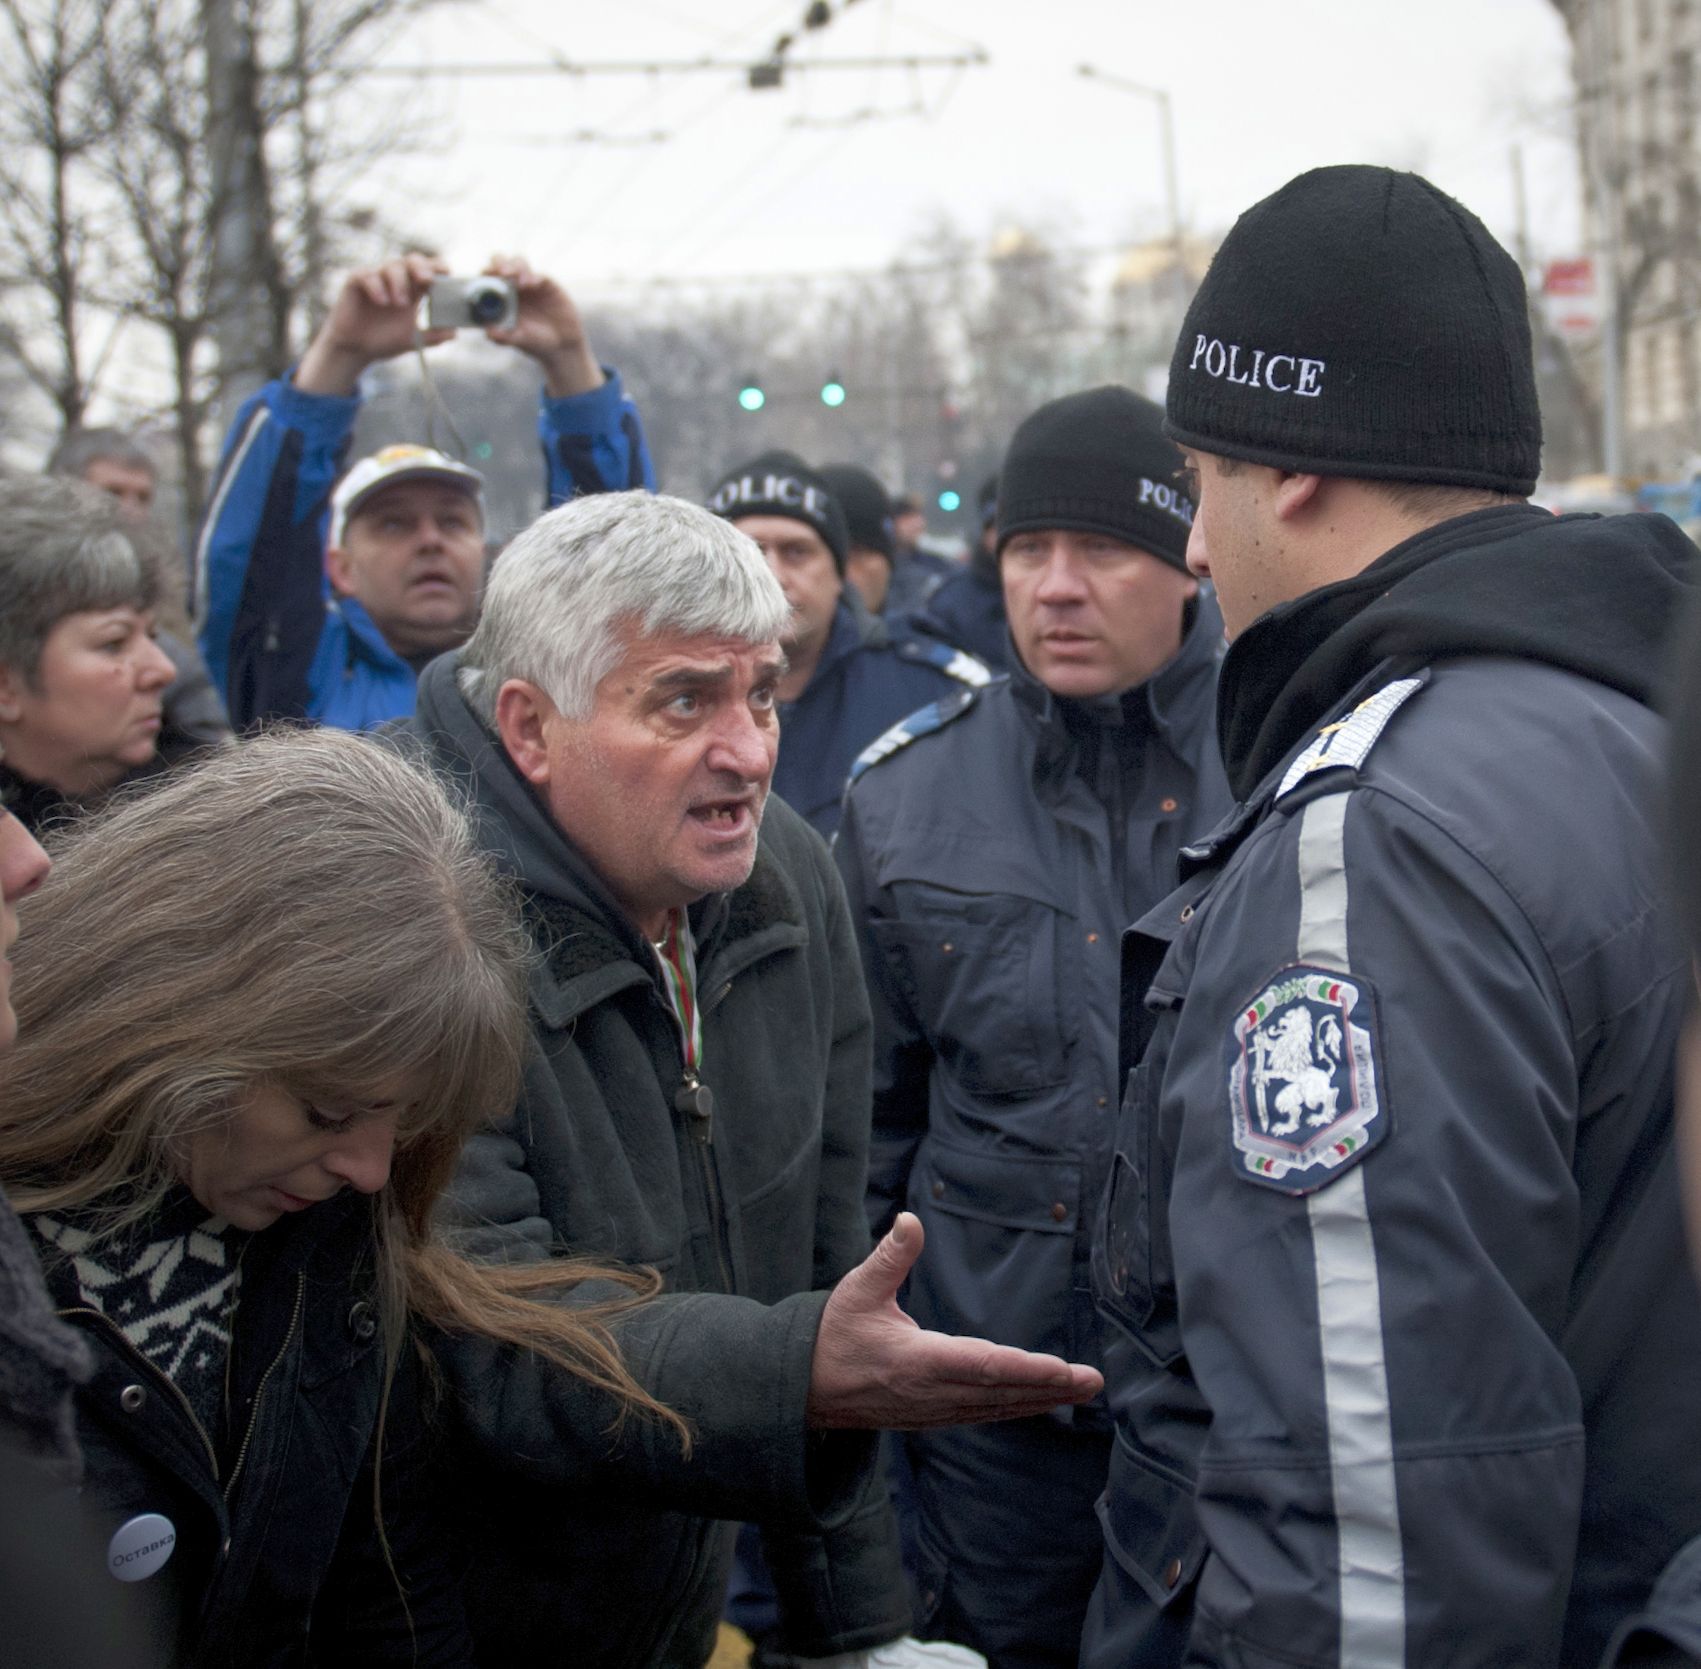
[(1166, 124)]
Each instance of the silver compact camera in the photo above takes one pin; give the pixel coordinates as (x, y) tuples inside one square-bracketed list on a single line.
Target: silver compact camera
[(471, 304)]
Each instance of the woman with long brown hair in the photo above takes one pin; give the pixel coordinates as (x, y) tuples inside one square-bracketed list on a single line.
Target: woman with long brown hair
[(260, 1008)]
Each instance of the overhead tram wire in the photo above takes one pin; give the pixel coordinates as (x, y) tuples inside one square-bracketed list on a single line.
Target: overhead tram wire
[(694, 239), (661, 66), (588, 217)]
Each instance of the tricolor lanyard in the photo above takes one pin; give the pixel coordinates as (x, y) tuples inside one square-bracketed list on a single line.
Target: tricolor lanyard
[(676, 951)]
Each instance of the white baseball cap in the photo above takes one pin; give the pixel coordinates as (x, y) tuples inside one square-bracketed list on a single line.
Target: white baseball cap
[(388, 467)]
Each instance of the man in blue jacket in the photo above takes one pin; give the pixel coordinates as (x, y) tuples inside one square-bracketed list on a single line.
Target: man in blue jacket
[(1409, 1366), (305, 616), (993, 847), (847, 678)]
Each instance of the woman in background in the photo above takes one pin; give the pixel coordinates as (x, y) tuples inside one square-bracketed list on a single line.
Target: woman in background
[(82, 681)]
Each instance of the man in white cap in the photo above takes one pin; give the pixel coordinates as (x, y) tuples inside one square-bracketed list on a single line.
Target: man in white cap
[(331, 619)]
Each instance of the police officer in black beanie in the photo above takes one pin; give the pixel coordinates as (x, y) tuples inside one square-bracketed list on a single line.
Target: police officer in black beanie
[(868, 524), (848, 679), (993, 849), (1406, 1351)]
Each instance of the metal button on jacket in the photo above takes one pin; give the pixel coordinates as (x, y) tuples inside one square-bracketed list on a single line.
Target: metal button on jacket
[(131, 1398), (363, 1323)]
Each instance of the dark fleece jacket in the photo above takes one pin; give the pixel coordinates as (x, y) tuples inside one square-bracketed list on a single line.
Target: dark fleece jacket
[(596, 1547), (1593, 595)]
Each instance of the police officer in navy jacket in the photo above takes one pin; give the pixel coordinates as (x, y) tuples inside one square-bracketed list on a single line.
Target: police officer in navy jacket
[(993, 848), (1408, 1360)]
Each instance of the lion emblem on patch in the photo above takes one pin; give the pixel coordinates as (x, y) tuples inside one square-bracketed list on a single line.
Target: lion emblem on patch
[(1303, 1080)]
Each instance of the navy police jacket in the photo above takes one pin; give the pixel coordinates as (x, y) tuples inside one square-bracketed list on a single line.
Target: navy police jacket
[(967, 611), (278, 642), (867, 679), (993, 847), (1408, 1357)]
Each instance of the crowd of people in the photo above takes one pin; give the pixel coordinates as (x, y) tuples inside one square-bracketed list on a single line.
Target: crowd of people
[(711, 1076)]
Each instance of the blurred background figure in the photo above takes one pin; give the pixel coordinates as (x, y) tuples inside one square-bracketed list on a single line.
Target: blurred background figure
[(326, 606), (82, 681), (119, 466), (871, 544), (916, 572)]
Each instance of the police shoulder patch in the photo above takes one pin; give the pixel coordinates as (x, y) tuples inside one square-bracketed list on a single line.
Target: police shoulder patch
[(935, 716), (1304, 1085), (956, 663), (1346, 743)]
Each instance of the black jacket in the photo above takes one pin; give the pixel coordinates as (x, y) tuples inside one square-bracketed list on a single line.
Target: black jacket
[(42, 809), (1408, 1353), (277, 1559), (597, 1551)]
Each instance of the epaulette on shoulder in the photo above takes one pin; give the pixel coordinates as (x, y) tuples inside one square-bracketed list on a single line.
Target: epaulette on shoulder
[(1346, 744), (933, 717), (956, 663)]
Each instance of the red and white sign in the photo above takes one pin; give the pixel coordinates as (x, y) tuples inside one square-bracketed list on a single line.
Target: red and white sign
[(1571, 298)]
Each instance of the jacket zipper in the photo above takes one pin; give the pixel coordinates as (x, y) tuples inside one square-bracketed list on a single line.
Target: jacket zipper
[(260, 1389), (696, 1101), (139, 1361)]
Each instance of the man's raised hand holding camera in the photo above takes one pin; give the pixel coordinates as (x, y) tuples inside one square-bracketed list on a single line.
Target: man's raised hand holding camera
[(325, 605)]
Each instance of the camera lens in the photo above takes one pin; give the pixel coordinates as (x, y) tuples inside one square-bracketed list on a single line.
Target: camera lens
[(487, 302)]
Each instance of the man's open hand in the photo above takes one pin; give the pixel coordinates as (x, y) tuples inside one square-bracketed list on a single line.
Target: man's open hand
[(874, 1369), (548, 328)]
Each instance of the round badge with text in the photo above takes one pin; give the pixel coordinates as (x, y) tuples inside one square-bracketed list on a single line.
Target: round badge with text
[(140, 1546)]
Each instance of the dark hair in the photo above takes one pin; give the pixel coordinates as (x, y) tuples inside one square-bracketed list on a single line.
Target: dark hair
[(1438, 502), (64, 549)]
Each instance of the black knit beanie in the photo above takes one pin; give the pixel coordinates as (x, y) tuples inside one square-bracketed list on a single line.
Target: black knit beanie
[(782, 484), (1096, 463), (868, 511), (1360, 322)]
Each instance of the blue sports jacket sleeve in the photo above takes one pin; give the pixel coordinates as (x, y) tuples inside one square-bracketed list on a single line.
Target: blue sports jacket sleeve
[(260, 588), (594, 443)]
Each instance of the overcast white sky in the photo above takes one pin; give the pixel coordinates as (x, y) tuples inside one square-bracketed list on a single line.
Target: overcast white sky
[(751, 183)]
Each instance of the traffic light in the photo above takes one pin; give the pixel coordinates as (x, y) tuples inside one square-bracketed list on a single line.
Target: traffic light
[(832, 390), (750, 396), (950, 499)]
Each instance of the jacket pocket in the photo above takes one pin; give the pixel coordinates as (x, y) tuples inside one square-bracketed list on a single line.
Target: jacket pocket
[(1151, 1528), (1130, 1263), (981, 976), (1000, 1245)]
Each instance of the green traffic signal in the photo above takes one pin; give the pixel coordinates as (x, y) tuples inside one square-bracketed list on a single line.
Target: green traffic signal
[(950, 499), (751, 397), (832, 392)]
